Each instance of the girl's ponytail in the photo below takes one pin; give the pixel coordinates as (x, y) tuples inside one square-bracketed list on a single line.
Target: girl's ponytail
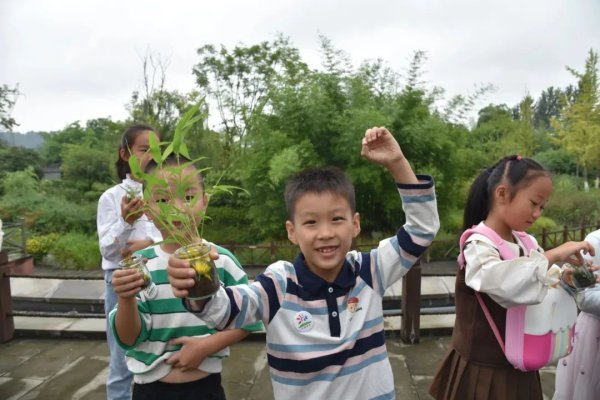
[(478, 204), (479, 201)]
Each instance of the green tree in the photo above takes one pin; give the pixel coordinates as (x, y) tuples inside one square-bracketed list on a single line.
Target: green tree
[(521, 138), (99, 134), (19, 158), (153, 103), (238, 83), (547, 106), (84, 166), (8, 97), (320, 120), (556, 160), (494, 125), (21, 193), (578, 126)]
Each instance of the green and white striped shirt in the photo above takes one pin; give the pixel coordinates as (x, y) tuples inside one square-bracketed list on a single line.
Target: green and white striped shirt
[(164, 318)]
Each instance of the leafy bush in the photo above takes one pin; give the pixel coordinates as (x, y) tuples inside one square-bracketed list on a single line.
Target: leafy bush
[(231, 225), (40, 246), (556, 160), (77, 251), (22, 193), (541, 223), (565, 183), (59, 214), (452, 221), (571, 207), (444, 246), (84, 164), (44, 210)]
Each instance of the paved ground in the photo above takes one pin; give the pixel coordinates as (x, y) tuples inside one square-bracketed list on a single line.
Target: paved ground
[(62, 369), (65, 368)]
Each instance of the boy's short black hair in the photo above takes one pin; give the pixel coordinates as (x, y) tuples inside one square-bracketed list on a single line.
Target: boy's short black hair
[(172, 160), (318, 180)]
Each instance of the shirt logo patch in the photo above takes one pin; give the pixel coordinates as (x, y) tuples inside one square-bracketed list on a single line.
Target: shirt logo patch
[(353, 305), (304, 321)]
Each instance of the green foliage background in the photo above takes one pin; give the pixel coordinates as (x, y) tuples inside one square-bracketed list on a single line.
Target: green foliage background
[(276, 115)]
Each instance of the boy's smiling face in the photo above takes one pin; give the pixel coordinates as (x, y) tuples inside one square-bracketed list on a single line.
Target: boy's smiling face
[(323, 227)]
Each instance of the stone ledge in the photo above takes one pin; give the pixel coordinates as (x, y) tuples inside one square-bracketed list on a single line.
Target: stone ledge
[(96, 327), (30, 288)]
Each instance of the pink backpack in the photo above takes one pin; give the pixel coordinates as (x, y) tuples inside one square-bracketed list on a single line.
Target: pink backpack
[(536, 335)]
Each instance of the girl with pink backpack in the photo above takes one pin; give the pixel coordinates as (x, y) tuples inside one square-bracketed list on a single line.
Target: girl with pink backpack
[(512, 316)]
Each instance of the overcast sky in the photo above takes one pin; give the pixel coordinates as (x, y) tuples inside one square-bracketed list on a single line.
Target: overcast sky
[(81, 59)]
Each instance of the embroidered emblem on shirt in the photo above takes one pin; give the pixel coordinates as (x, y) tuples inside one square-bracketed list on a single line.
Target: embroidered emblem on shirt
[(304, 321), (353, 305)]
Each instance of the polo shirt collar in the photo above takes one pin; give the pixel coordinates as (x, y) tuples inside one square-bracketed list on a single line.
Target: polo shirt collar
[(314, 284)]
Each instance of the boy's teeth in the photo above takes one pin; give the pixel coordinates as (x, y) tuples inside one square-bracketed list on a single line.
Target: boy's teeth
[(327, 249)]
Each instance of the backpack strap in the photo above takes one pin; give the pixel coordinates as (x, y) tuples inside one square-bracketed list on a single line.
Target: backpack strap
[(526, 240), (499, 243), (505, 254), (490, 321)]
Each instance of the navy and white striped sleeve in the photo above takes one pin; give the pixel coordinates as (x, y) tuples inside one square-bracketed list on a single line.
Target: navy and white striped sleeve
[(394, 256), (240, 305)]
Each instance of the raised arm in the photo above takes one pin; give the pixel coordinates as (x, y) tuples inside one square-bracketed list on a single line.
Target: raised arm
[(380, 147), (394, 256)]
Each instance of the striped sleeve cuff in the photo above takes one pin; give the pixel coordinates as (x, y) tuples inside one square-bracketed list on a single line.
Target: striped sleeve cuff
[(256, 327), (143, 331), (425, 182)]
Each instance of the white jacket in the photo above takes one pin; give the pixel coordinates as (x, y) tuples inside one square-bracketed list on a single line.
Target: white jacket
[(114, 231)]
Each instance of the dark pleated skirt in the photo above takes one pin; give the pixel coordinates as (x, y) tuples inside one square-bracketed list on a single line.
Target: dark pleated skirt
[(457, 379)]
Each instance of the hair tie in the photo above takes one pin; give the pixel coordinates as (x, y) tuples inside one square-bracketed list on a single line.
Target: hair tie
[(518, 158)]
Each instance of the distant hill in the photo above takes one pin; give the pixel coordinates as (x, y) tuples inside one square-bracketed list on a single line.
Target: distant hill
[(29, 140)]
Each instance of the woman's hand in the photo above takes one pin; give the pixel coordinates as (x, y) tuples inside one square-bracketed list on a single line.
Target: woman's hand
[(131, 210)]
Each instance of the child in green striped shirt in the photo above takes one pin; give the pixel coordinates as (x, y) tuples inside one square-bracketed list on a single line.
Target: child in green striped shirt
[(172, 353)]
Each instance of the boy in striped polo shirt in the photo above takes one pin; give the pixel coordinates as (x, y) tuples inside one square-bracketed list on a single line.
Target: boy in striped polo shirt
[(172, 354), (323, 313)]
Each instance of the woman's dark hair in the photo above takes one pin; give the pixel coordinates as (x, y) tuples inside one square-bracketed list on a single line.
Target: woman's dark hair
[(127, 140), (515, 170)]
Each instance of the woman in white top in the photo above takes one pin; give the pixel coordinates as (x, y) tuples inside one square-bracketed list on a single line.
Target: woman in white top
[(123, 229)]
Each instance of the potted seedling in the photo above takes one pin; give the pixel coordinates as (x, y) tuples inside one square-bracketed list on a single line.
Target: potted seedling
[(135, 261), (582, 276), (184, 224), (133, 192)]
